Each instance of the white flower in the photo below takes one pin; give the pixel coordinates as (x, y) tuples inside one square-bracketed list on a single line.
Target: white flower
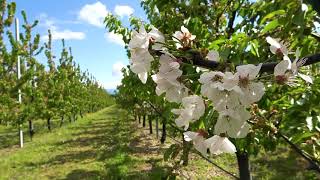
[(139, 39), (193, 109), (183, 38), (297, 63), (157, 38), (304, 7), (198, 141), (166, 80), (210, 80), (140, 63), (233, 122), (277, 47), (251, 91), (140, 57), (218, 87), (213, 56), (218, 145), (285, 71)]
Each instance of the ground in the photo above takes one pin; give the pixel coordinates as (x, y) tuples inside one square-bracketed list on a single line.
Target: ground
[(111, 145), (104, 145)]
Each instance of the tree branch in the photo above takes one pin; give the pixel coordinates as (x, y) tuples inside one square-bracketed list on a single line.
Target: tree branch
[(314, 166), (198, 60)]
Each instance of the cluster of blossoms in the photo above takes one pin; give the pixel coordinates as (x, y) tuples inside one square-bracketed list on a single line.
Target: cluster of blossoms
[(231, 93), (286, 71), (166, 79), (139, 48)]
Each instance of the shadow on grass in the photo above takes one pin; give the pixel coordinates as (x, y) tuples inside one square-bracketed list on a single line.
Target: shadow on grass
[(112, 142), (282, 164), (83, 174)]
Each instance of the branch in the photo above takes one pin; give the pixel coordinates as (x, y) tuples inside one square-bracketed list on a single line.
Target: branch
[(314, 166), (207, 159), (198, 60)]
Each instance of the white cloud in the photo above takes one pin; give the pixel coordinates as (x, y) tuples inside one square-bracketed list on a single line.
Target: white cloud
[(114, 38), (111, 85), (58, 34), (123, 10), (116, 69), (68, 35), (93, 14)]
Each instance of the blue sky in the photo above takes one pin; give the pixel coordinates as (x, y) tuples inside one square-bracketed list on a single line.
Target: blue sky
[(80, 23)]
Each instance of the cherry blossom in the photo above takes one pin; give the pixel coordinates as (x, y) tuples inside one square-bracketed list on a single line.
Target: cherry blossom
[(193, 109), (285, 71), (198, 141), (218, 145), (140, 63), (277, 47), (251, 91), (166, 79), (233, 122), (213, 56), (297, 63), (157, 38), (183, 38), (140, 57)]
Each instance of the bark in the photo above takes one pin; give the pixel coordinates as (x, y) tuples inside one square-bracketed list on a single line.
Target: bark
[(81, 115), (62, 121), (150, 124), (243, 165), (31, 130), (185, 152), (164, 132), (157, 127), (144, 121), (74, 117), (49, 124)]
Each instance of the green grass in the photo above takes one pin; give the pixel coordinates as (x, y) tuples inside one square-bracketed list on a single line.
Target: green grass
[(109, 145), (103, 145)]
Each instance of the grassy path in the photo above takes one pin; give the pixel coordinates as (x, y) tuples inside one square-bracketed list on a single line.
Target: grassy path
[(103, 145), (108, 145)]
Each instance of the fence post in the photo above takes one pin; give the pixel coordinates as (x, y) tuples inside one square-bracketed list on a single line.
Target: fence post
[(19, 76)]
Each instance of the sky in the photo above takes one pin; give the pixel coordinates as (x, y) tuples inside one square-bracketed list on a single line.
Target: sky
[(80, 23)]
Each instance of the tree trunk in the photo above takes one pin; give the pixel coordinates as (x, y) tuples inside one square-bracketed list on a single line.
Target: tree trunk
[(164, 132), (144, 121), (49, 124), (157, 127), (74, 117), (139, 117), (243, 165), (185, 151), (62, 120), (31, 130), (150, 124), (81, 115)]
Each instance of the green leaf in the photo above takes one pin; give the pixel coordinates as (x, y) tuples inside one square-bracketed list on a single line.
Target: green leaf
[(271, 26), (272, 15)]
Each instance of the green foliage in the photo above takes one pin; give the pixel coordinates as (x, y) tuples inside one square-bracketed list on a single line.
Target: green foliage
[(238, 29), (62, 91)]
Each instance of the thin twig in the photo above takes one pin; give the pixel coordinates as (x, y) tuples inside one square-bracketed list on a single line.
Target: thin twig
[(203, 157)]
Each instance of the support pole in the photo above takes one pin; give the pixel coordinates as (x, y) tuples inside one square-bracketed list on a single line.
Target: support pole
[(19, 76)]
